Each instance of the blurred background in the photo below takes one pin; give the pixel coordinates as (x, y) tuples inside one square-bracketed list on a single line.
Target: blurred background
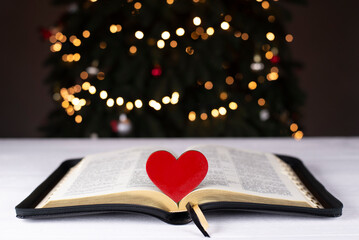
[(307, 84)]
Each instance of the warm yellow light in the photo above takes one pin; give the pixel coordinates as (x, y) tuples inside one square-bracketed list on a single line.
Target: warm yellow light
[(155, 105), (93, 0), (82, 102), (75, 101), (289, 38), (233, 105), (222, 111), (215, 113), (133, 49), (228, 18), (92, 90), (101, 76), (139, 35), (197, 21), (237, 34), (229, 80), (180, 31), (225, 25), (76, 42), (293, 127), (252, 85), (261, 102), (166, 100), (160, 43), (52, 39), (223, 96), (165, 35), (119, 101), (265, 5), (103, 94), (272, 76), (110, 102), (129, 106), (189, 50), (169, 2), (174, 98), (138, 103), (269, 55), (137, 5), (103, 45), (77, 57), (113, 28), (72, 38), (208, 85), (78, 119), (204, 116), (57, 47), (271, 18), (173, 44), (274, 69), (65, 104), (192, 116), (298, 135), (119, 27), (270, 36), (86, 86), (245, 36), (210, 31), (86, 34)]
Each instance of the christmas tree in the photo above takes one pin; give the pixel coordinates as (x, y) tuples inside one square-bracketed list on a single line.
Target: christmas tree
[(173, 68)]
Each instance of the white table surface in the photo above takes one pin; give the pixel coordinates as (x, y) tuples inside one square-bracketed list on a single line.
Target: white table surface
[(24, 164)]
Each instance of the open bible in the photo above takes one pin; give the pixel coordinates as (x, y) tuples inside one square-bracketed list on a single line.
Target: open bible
[(234, 176)]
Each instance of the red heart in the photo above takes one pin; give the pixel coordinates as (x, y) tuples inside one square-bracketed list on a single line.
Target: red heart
[(176, 178)]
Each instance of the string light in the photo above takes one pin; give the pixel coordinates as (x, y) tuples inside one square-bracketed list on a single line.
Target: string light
[(86, 86), (169, 2), (272, 76), (189, 50), (165, 35), (138, 103), (166, 100), (261, 102), (78, 119), (252, 85), (270, 36), (76, 42), (129, 106), (293, 127), (180, 31), (192, 116), (139, 35), (269, 55), (208, 85), (137, 5), (160, 43), (113, 28), (210, 31), (197, 21), (86, 34), (265, 5), (100, 76), (222, 111), (110, 102), (289, 38), (225, 25), (133, 49), (229, 80), (119, 101), (233, 105), (223, 96), (103, 94), (245, 36), (173, 44), (204, 116), (298, 135), (215, 113), (92, 90)]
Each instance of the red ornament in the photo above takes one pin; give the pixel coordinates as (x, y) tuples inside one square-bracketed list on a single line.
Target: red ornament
[(177, 178), (275, 59), (45, 33), (156, 71)]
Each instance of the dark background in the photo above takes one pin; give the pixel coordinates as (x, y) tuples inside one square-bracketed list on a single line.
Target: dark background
[(326, 40)]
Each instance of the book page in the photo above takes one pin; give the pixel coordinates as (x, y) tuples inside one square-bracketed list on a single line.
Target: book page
[(247, 172), (107, 173)]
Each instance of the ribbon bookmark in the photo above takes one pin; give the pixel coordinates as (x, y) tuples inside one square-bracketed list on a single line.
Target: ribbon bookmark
[(198, 218)]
